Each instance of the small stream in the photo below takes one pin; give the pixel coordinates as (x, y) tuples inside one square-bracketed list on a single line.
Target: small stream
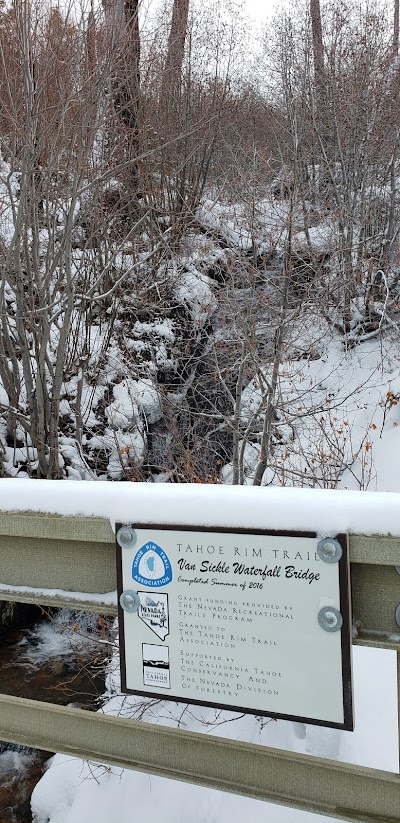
[(60, 659)]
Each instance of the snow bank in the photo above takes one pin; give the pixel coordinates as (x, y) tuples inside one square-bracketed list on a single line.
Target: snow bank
[(76, 792), (230, 221), (325, 511), (193, 290), (337, 418), (129, 396)]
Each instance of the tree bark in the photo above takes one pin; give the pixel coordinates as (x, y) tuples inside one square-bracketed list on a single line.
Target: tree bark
[(317, 42), (318, 57), (176, 47), (129, 91), (396, 29), (122, 21)]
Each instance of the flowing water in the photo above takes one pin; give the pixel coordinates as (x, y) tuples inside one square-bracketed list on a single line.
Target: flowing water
[(61, 659)]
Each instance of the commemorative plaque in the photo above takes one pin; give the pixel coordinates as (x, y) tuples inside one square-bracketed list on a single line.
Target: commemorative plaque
[(254, 622)]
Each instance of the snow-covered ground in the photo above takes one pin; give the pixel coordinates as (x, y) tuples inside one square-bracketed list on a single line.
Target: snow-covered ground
[(73, 791), (338, 413)]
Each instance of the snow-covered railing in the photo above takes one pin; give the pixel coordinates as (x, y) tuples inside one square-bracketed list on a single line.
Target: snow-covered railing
[(57, 547)]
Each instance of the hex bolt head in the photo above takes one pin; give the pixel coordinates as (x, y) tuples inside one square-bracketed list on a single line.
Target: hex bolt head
[(126, 537), (329, 550), (397, 616), (330, 619), (129, 601)]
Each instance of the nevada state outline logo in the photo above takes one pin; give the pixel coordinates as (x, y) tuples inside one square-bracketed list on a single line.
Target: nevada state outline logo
[(153, 611)]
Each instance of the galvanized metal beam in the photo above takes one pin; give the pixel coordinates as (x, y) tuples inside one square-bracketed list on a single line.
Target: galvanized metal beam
[(380, 550), (54, 563), (56, 527), (375, 597), (376, 550), (325, 787), (77, 554)]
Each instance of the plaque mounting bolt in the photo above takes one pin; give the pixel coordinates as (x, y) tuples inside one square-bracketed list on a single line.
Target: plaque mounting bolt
[(330, 619), (397, 616), (329, 550), (126, 537), (397, 569), (129, 601)]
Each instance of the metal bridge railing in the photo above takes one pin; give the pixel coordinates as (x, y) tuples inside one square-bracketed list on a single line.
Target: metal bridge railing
[(77, 554)]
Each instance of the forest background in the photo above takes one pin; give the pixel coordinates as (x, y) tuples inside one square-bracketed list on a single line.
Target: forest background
[(198, 232)]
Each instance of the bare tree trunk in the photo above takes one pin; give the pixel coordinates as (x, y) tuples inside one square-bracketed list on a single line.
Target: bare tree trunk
[(114, 17), (390, 228), (266, 436), (317, 42), (91, 41), (122, 20), (236, 419), (129, 91), (396, 28), (321, 90), (176, 48)]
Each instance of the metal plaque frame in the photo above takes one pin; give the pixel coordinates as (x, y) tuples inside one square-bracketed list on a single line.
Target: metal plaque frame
[(346, 639)]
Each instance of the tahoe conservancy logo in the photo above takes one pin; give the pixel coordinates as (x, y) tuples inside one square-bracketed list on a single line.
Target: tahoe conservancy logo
[(151, 566)]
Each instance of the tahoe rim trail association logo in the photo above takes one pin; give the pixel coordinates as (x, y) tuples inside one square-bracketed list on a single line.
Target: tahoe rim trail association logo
[(151, 566)]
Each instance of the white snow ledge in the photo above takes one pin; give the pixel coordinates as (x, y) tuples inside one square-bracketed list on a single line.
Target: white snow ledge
[(104, 599), (245, 507)]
